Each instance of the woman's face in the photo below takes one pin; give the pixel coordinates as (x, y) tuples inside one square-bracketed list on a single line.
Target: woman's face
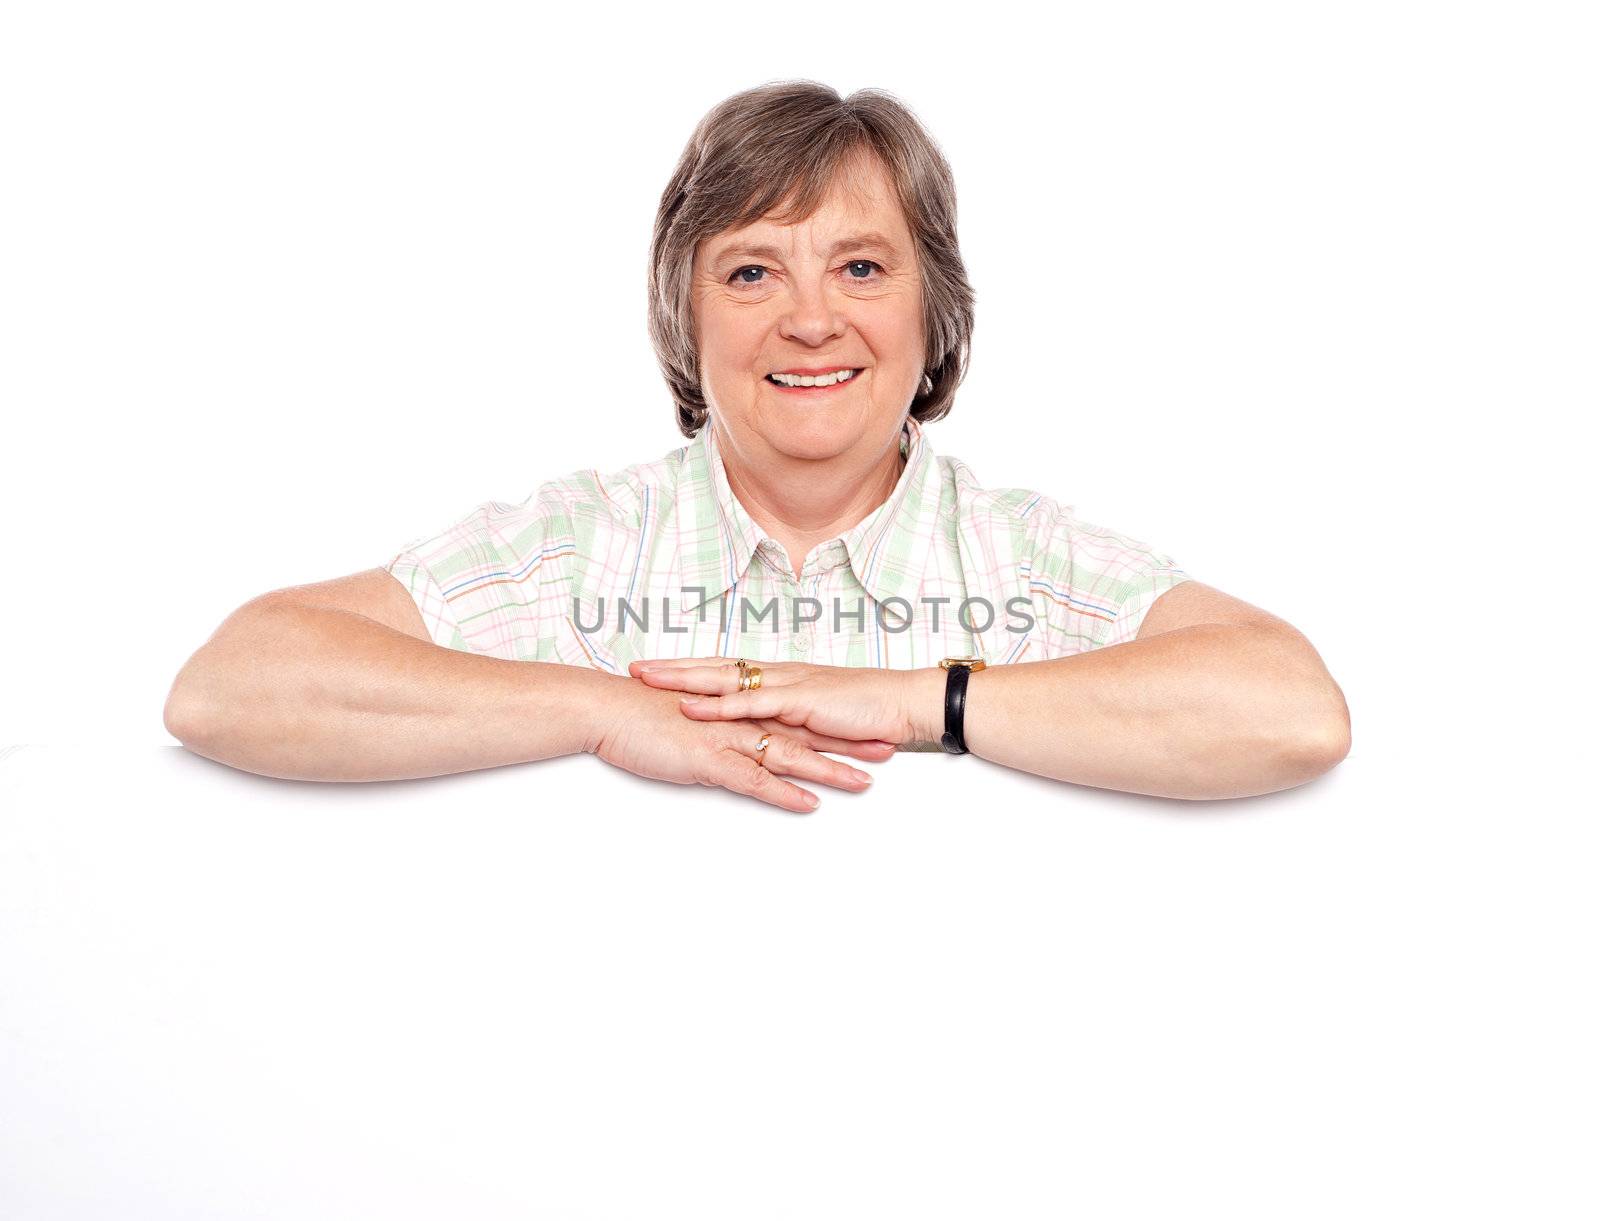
[(840, 289)]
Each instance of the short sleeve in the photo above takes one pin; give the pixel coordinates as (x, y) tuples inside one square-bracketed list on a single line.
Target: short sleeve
[(1146, 589), (411, 572), (1090, 585), (491, 582)]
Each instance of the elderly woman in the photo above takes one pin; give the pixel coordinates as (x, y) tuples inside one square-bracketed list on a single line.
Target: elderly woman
[(806, 577)]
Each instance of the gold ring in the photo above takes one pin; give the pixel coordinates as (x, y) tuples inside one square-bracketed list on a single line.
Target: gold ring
[(749, 678), (761, 749)]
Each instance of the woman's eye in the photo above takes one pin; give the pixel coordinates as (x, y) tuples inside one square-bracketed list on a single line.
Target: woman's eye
[(741, 277)]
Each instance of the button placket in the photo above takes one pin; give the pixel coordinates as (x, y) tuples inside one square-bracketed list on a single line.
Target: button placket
[(801, 643)]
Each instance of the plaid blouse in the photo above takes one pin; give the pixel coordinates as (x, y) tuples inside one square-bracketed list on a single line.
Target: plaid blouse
[(661, 560)]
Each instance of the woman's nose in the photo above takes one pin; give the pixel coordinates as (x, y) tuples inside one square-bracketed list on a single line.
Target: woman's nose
[(812, 316)]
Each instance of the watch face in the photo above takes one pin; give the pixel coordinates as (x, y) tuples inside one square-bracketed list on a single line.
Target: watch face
[(972, 663)]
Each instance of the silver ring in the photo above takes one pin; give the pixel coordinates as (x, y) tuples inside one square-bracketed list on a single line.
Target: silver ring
[(761, 749)]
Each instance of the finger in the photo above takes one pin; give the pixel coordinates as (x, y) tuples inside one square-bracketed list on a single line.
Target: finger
[(741, 774), (739, 706), (676, 663), (715, 680), (706, 680), (875, 750), (787, 757)]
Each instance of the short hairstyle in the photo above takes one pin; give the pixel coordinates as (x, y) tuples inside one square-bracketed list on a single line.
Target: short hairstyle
[(792, 138)]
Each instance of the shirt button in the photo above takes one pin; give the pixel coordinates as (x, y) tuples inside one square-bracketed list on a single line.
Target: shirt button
[(802, 644)]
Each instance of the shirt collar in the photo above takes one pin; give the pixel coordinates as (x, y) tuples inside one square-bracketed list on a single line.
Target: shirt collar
[(887, 549)]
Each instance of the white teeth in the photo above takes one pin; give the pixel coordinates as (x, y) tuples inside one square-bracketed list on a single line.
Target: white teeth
[(827, 379)]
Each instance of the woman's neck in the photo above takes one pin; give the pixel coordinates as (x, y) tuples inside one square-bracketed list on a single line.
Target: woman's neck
[(806, 503)]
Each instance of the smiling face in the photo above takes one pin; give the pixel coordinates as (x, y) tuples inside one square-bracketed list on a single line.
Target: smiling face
[(840, 289)]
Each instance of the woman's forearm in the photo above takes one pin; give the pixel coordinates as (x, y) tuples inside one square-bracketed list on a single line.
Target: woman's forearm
[(1207, 711), (313, 693)]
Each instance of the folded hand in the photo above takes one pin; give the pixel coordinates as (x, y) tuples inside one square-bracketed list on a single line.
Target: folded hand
[(853, 702)]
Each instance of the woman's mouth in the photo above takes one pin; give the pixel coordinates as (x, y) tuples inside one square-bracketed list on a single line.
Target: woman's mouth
[(809, 385)]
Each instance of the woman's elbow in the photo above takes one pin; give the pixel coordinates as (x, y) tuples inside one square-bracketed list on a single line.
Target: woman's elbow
[(1325, 741)]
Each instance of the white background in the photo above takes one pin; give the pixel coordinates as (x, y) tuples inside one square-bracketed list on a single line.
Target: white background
[(1302, 296)]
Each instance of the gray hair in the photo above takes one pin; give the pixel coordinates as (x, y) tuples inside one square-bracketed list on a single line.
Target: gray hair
[(757, 148)]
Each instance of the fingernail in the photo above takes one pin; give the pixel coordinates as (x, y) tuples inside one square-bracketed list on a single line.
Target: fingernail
[(645, 665), (861, 776), (689, 699), (811, 801)]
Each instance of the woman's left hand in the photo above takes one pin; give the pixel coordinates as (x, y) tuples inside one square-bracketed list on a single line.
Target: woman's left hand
[(859, 703)]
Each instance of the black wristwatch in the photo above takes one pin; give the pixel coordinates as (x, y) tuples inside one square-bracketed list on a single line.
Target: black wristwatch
[(957, 670)]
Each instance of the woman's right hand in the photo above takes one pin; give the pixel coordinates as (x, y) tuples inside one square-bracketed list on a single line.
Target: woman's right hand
[(645, 733)]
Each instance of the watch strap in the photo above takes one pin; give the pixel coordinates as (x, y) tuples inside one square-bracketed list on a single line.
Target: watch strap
[(955, 708)]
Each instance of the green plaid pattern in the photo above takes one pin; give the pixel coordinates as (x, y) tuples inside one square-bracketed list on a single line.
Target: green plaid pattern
[(660, 559)]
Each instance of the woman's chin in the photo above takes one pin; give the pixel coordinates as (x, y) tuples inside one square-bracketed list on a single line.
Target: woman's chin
[(816, 437)]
